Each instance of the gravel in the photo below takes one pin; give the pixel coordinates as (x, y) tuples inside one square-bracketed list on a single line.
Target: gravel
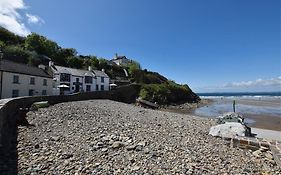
[(107, 137)]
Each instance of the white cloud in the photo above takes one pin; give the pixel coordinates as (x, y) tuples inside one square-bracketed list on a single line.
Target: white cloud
[(259, 85), (34, 19), (273, 82), (11, 19)]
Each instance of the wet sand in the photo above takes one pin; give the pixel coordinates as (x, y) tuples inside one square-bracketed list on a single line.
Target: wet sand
[(265, 122), (262, 112)]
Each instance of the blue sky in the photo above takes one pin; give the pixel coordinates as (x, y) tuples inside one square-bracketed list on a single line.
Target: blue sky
[(212, 45)]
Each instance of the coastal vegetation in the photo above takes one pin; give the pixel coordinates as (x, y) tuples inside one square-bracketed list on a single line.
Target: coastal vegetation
[(35, 49)]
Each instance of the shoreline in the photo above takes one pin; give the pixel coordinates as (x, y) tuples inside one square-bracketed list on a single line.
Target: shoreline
[(261, 121)]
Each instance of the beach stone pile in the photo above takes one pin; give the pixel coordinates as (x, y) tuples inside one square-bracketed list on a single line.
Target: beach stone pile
[(107, 137), (230, 124)]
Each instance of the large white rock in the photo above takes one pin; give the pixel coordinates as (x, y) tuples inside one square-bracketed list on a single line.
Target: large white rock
[(228, 129)]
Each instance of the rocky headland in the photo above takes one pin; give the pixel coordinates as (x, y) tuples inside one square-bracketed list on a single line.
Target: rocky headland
[(108, 137)]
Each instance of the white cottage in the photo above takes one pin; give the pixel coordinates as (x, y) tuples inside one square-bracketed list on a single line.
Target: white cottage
[(121, 60), (22, 80), (69, 80)]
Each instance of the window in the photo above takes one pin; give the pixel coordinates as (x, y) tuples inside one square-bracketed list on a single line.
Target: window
[(44, 82), (15, 93), (88, 88), (44, 92), (77, 79), (65, 77), (31, 92), (16, 79), (102, 79), (102, 87), (88, 79), (97, 87), (32, 80)]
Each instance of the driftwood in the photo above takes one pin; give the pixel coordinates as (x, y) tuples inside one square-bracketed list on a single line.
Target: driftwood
[(146, 103)]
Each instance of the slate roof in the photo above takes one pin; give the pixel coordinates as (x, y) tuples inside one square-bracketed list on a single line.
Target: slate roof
[(79, 72), (72, 71), (9, 66), (99, 73)]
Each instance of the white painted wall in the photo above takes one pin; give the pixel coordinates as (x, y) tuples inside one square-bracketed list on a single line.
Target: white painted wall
[(105, 83), (24, 85), (93, 85)]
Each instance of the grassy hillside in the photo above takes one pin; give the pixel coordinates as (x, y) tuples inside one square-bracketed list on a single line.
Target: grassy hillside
[(36, 49)]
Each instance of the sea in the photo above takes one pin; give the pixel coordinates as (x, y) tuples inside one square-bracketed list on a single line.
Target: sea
[(246, 103), (240, 94)]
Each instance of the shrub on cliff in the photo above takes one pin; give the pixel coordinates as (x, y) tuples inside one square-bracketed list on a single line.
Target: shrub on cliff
[(167, 93)]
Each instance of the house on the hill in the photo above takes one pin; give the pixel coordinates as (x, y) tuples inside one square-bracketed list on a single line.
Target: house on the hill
[(69, 80), (121, 60), (22, 80)]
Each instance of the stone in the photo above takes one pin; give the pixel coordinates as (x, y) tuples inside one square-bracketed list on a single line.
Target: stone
[(230, 117), (146, 151), (135, 168), (268, 156), (257, 153), (228, 129), (55, 138), (117, 144), (131, 147), (104, 149), (36, 146), (66, 156), (139, 148), (100, 144)]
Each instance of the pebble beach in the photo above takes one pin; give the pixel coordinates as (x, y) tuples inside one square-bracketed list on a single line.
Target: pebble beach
[(108, 137)]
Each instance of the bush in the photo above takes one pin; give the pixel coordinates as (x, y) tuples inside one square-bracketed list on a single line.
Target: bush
[(167, 93)]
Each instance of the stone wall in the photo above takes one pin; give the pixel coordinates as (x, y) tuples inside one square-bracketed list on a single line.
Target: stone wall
[(9, 115)]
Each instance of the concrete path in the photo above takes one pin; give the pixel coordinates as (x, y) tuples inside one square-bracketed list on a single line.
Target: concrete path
[(267, 134)]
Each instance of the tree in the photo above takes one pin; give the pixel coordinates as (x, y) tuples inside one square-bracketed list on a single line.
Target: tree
[(16, 53), (74, 62), (42, 45), (102, 63), (10, 38)]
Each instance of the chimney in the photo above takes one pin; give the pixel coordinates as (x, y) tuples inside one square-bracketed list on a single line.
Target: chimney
[(51, 63), (116, 55), (41, 66), (90, 68)]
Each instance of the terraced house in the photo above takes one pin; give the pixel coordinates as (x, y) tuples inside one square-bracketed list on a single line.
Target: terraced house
[(69, 80), (22, 80)]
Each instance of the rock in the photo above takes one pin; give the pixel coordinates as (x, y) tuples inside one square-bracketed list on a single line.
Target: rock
[(268, 156), (55, 138), (36, 146), (117, 144), (257, 153), (230, 117), (66, 156), (143, 143), (228, 129), (104, 149), (100, 144), (135, 168), (146, 151), (131, 147)]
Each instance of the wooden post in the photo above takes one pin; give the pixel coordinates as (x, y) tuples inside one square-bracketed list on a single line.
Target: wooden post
[(233, 105)]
